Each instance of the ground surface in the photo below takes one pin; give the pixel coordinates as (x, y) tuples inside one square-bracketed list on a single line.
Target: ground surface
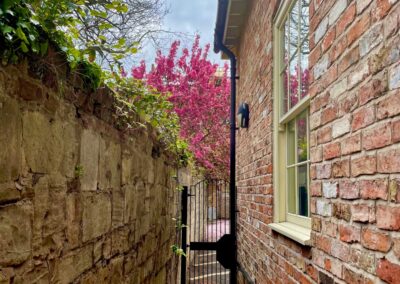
[(204, 267)]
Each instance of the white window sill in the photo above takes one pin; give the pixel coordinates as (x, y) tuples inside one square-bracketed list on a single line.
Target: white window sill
[(295, 232)]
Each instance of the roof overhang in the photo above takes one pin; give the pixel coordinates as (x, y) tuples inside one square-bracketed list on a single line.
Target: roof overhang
[(230, 21)]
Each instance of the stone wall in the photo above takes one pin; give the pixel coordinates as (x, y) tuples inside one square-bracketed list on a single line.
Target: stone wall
[(355, 156), (80, 200)]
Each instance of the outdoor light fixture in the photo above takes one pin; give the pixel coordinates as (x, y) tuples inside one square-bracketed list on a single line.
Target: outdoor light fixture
[(243, 115)]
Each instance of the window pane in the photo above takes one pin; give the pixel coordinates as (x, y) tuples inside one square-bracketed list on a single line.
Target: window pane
[(305, 74), (287, 45), (294, 82), (302, 141), (294, 29), (304, 19), (291, 143), (291, 198), (302, 182)]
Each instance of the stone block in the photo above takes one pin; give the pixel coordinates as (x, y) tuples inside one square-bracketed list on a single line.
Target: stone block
[(96, 218), (15, 233), (49, 145), (120, 241), (9, 192), (110, 164), (89, 159), (70, 266), (10, 139), (130, 203), (49, 215), (118, 207), (73, 219)]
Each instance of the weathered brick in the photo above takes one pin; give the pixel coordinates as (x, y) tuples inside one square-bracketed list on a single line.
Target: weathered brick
[(389, 106), (328, 114), (396, 247), (341, 168), (342, 211), (349, 233), (346, 19), (358, 28), (321, 30), (388, 271), (324, 135), (388, 217), (371, 39), (363, 117), (363, 165), (316, 188), (375, 240), (372, 89), (324, 208), (349, 189), (389, 161), (330, 189), (374, 189), (358, 74), (321, 66), (351, 276), (363, 213), (337, 10), (323, 171), (351, 144), (328, 39), (362, 4), (331, 151), (340, 250), (394, 77), (341, 126), (349, 59), (396, 131)]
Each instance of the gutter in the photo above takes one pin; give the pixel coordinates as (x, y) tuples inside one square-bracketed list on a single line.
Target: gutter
[(219, 46)]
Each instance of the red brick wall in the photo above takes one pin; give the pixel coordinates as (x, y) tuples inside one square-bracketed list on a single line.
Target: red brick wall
[(355, 147)]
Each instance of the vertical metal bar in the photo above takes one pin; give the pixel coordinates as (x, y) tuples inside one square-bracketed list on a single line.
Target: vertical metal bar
[(184, 233), (190, 233), (196, 255)]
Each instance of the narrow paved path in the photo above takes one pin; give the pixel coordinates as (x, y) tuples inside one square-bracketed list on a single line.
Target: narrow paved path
[(204, 267)]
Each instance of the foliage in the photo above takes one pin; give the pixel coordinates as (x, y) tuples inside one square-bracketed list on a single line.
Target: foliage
[(79, 171), (19, 32), (200, 98), (84, 29), (153, 108), (177, 250)]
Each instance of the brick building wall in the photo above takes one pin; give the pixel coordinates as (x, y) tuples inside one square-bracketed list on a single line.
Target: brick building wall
[(354, 140)]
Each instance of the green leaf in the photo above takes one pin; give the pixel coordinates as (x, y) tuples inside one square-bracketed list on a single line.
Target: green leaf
[(24, 47), (6, 29), (103, 38), (21, 35), (43, 47), (105, 26), (95, 13)]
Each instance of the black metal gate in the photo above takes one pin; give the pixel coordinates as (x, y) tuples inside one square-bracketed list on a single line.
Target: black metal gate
[(207, 239)]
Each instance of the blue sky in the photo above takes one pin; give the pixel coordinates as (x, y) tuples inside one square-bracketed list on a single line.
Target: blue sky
[(188, 17)]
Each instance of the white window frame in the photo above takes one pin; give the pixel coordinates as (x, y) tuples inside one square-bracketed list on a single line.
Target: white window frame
[(293, 226)]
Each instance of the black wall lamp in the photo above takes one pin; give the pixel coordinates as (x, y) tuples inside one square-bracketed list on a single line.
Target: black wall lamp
[(243, 115)]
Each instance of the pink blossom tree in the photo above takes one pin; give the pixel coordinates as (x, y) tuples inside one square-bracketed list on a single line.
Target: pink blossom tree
[(200, 94)]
